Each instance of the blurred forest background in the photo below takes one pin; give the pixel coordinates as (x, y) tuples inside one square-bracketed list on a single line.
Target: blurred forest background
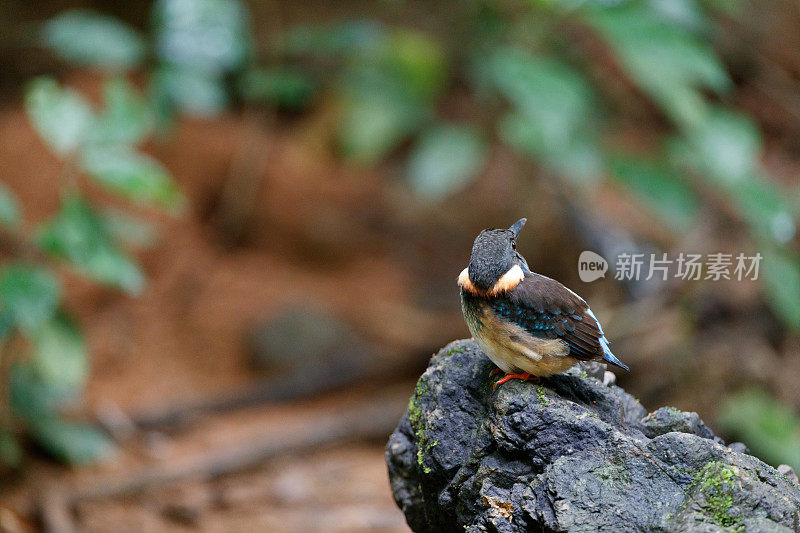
[(230, 232)]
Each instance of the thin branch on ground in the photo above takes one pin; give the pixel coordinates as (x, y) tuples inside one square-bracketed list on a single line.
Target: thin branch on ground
[(374, 418)]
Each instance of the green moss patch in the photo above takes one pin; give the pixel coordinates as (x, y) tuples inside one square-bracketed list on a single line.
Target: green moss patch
[(456, 349), (540, 393), (716, 482), (418, 424)]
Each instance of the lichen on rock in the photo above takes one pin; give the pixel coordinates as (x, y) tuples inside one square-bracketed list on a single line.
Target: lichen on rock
[(568, 454)]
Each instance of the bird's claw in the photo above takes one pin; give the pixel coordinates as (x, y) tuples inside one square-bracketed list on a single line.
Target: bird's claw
[(525, 376)]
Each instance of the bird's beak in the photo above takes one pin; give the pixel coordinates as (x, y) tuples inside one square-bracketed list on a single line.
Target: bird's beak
[(517, 226)]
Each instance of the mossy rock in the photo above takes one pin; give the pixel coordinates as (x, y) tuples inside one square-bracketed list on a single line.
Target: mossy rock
[(568, 454)]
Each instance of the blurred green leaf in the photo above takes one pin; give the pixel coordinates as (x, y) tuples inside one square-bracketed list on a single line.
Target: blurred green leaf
[(71, 442), (132, 174), (553, 120), (202, 37), (377, 114), (79, 235), (88, 38), (725, 147), (30, 295), (731, 8), (197, 93), (580, 159), (770, 429), (37, 402), (659, 189), (549, 91), (281, 87), (61, 116), (388, 94), (780, 272), (9, 208), (417, 61), (766, 209), (663, 57), (375, 124), (198, 43), (31, 398), (10, 450), (128, 229), (59, 355), (445, 159), (6, 322), (36, 399), (343, 39), (53, 374), (126, 118), (682, 13)]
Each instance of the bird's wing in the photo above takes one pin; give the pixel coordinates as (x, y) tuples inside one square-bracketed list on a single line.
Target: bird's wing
[(546, 308)]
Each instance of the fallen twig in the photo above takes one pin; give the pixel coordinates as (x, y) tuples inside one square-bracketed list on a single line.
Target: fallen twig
[(374, 418), (302, 382)]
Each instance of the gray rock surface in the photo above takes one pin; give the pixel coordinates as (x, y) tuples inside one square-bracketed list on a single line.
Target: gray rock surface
[(568, 454)]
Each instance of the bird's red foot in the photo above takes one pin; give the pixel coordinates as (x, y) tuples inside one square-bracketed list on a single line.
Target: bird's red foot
[(510, 375), (495, 371)]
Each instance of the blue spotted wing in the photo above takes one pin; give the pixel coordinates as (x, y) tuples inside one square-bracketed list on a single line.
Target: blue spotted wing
[(545, 308)]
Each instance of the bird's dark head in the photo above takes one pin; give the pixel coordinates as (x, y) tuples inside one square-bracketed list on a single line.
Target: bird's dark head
[(494, 254)]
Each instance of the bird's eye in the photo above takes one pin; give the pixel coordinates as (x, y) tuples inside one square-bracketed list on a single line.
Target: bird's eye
[(513, 245)]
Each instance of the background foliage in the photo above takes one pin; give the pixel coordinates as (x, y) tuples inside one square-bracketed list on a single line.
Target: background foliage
[(552, 81)]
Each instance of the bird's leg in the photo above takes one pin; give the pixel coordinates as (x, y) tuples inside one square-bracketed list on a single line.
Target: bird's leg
[(510, 375)]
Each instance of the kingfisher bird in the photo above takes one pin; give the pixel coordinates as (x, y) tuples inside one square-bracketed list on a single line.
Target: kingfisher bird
[(529, 325)]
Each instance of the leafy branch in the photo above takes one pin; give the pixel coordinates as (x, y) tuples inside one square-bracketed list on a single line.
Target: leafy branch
[(45, 357)]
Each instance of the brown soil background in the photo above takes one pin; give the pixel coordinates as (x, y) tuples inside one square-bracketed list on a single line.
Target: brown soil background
[(276, 219)]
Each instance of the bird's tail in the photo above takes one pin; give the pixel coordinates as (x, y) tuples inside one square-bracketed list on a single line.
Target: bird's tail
[(610, 357)]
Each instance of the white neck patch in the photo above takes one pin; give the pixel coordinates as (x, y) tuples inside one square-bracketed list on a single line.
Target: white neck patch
[(508, 281), (465, 283)]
